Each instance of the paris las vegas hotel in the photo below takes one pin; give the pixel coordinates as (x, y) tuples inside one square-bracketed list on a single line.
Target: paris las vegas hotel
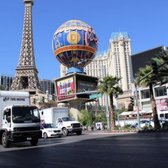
[(116, 61), (119, 61)]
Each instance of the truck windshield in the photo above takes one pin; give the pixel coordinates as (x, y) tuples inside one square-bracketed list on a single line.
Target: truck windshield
[(25, 115)]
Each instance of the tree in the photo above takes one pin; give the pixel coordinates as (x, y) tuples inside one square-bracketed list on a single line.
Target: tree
[(160, 67), (2, 87), (109, 86), (100, 117), (149, 80), (85, 118)]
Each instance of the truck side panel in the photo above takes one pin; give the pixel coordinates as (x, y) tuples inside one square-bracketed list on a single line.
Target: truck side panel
[(46, 115), (8, 98), (59, 113), (49, 115)]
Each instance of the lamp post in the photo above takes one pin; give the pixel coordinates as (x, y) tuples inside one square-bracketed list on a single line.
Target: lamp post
[(137, 104)]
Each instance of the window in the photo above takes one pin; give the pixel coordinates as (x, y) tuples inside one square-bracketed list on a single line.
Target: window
[(166, 116), (160, 91), (145, 94), (161, 115)]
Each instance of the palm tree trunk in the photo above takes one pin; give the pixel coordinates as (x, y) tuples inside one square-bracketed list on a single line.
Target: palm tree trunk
[(112, 114), (154, 109)]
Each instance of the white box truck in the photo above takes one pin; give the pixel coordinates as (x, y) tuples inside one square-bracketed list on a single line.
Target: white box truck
[(59, 117), (18, 120)]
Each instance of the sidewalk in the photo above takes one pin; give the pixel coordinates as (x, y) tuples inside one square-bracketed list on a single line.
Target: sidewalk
[(110, 132)]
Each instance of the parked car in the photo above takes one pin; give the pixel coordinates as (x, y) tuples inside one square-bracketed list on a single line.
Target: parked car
[(48, 130), (144, 124)]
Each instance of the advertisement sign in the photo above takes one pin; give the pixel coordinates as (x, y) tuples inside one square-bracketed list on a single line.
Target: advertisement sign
[(162, 104), (84, 86), (65, 88)]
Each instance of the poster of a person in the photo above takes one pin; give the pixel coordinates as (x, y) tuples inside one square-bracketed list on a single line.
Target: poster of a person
[(163, 104), (90, 38)]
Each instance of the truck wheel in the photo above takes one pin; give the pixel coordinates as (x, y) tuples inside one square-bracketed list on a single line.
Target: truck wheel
[(5, 141), (45, 135), (34, 141), (79, 132), (65, 131)]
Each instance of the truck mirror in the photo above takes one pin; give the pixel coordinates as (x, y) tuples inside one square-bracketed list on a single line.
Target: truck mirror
[(4, 117), (8, 119), (6, 111)]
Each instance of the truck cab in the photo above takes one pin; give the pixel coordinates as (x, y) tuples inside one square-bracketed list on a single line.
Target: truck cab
[(67, 126), (20, 123)]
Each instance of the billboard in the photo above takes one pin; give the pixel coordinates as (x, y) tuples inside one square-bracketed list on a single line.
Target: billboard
[(83, 86), (162, 104), (65, 88), (75, 86)]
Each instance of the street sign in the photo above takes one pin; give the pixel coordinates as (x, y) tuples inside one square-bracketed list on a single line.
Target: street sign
[(95, 96)]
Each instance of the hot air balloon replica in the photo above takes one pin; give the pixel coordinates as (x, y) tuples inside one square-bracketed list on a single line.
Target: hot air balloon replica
[(74, 44)]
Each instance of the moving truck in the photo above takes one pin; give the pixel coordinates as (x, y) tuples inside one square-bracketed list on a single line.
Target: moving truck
[(59, 117), (19, 121)]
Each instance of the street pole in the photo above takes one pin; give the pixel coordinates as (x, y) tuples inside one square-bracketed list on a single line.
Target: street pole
[(136, 97), (107, 112), (137, 104)]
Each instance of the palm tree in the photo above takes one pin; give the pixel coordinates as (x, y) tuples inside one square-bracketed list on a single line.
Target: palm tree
[(149, 80), (160, 67), (109, 86)]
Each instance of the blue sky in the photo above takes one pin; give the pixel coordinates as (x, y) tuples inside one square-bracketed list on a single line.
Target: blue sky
[(146, 22)]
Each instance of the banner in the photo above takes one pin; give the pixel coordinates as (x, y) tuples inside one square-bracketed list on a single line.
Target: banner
[(162, 104), (65, 88)]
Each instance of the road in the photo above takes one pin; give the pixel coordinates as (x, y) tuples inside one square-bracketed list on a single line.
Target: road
[(93, 150)]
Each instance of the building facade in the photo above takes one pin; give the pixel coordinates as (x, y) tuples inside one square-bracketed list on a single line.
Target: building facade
[(47, 86), (119, 59), (143, 58), (116, 61), (160, 92), (161, 97), (5, 82), (98, 67)]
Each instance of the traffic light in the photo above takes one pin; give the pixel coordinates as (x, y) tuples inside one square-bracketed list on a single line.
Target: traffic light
[(132, 100)]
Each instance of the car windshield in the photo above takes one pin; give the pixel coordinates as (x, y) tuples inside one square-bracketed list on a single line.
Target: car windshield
[(47, 126), (66, 119), (21, 114)]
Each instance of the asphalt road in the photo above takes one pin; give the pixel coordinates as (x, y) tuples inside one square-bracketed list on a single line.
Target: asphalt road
[(143, 150)]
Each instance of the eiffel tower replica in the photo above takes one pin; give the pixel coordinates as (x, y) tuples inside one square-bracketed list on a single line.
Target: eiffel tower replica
[(26, 77)]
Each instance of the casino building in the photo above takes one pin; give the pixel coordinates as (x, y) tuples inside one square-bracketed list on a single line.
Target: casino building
[(116, 61)]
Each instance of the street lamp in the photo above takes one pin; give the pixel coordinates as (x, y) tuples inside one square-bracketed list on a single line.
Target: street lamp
[(137, 104)]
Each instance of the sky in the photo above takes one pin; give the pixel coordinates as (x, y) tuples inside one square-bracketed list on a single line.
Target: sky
[(146, 22)]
